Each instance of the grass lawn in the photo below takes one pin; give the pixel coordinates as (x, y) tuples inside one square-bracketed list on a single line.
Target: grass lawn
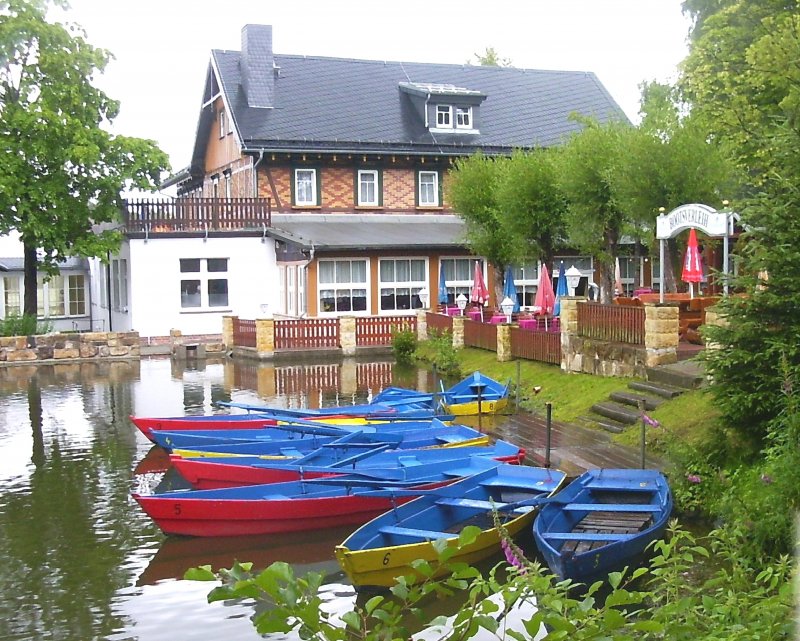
[(687, 418)]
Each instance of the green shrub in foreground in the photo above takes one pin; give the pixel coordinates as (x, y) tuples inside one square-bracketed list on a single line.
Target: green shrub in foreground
[(675, 597), (25, 325)]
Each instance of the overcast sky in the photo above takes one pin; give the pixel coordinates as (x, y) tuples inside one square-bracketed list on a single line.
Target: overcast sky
[(162, 47)]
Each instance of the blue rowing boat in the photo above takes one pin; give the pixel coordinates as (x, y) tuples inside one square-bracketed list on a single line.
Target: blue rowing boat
[(603, 521), (385, 548)]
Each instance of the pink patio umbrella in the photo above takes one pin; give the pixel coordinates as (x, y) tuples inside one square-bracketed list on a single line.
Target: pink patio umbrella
[(618, 289), (545, 299), (692, 263), (479, 293)]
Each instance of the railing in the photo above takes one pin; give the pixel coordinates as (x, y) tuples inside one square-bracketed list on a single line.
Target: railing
[(307, 333), (377, 330), (612, 323), (244, 332), (480, 335), (439, 323), (536, 346), (196, 214)]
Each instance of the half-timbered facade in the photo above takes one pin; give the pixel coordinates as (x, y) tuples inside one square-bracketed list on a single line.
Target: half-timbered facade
[(317, 186)]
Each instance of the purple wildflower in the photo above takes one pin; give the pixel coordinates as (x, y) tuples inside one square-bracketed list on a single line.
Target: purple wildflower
[(693, 478), (648, 420), (511, 555), (766, 479)]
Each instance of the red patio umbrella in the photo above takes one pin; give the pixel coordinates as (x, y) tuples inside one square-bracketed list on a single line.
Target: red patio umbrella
[(545, 299), (692, 263), (479, 293)]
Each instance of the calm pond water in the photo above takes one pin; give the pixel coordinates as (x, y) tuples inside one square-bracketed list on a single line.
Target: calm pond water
[(80, 559)]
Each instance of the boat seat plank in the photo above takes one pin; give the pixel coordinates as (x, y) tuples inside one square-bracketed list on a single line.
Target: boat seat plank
[(481, 505), (586, 536), (619, 486), (291, 451), (416, 533), (611, 507)]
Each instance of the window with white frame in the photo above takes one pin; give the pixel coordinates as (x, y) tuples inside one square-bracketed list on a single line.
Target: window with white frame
[(204, 283), (12, 296), (458, 274), (368, 188), (222, 126), (463, 117), (400, 281), (444, 116), (226, 175), (342, 285), (526, 281), (119, 284), (428, 189), (305, 187), (582, 263)]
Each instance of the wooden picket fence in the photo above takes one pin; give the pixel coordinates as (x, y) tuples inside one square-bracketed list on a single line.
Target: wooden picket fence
[(377, 330), (536, 346), (611, 323), (244, 332), (480, 335), (307, 333)]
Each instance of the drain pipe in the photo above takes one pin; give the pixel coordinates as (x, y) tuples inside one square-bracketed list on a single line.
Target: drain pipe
[(255, 172)]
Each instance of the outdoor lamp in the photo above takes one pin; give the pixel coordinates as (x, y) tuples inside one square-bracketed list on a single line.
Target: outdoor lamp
[(461, 301), (573, 275), (507, 305), (423, 297)]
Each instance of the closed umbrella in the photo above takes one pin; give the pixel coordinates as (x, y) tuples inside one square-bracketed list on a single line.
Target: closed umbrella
[(692, 263), (442, 285), (618, 289), (561, 290), (479, 293), (545, 297), (510, 289)]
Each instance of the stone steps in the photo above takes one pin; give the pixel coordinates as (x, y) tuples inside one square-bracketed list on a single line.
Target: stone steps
[(618, 412), (663, 390), (686, 378), (629, 398)]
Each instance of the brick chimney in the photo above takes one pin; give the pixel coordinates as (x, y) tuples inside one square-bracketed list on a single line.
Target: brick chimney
[(257, 65)]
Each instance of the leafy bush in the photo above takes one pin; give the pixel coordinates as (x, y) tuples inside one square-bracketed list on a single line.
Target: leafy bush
[(404, 344), (438, 350), (670, 599), (26, 325)]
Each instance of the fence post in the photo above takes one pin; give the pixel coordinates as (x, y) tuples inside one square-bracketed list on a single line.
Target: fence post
[(422, 324), (265, 337), (458, 332), (347, 334), (504, 343), (571, 360), (661, 333), (227, 331)]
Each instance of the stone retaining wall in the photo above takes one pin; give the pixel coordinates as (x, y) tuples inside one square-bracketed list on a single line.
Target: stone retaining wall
[(66, 347)]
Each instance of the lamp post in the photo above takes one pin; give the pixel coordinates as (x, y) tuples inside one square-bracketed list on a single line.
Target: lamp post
[(461, 301), (507, 305), (423, 297), (573, 275)]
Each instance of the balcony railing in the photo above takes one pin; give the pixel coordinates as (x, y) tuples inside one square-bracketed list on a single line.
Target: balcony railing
[(196, 214)]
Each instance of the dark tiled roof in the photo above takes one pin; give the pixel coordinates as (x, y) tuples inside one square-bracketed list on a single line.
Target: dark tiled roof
[(341, 104)]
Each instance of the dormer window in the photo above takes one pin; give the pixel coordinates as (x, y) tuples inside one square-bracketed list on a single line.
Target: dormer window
[(463, 117), (444, 116)]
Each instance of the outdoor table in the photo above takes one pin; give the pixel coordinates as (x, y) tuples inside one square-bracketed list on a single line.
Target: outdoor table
[(452, 311), (528, 323), (476, 315), (498, 319)]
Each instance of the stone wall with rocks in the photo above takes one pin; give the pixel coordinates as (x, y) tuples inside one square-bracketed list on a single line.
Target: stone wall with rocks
[(70, 346)]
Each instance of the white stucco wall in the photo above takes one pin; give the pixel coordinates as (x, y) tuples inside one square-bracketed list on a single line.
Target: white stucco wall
[(154, 286)]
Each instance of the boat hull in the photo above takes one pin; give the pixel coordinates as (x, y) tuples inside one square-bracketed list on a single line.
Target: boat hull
[(384, 549), (604, 520)]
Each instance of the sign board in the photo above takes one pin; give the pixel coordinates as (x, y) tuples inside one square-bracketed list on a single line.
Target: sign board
[(702, 217)]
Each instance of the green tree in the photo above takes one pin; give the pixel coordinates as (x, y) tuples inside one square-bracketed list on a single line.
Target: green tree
[(490, 58), (472, 190), (61, 171), (532, 206), (594, 218)]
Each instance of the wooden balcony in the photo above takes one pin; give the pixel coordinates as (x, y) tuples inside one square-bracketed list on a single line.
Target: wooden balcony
[(153, 216)]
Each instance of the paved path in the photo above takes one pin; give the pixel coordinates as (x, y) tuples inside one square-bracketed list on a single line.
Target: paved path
[(573, 448)]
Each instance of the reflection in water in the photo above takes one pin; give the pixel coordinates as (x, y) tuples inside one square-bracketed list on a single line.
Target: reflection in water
[(81, 560)]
